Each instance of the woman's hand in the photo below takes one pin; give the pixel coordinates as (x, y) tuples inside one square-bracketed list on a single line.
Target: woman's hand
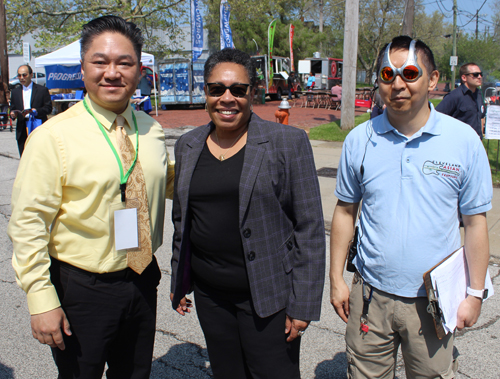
[(183, 306), (293, 327)]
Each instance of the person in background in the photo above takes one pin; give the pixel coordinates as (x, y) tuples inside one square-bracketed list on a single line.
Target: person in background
[(465, 103), (337, 90), (145, 83), (89, 179), (248, 229), (412, 169), (378, 106), (29, 98), (311, 81)]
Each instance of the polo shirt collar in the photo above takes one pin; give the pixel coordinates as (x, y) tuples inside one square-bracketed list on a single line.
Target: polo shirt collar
[(106, 117), (432, 126)]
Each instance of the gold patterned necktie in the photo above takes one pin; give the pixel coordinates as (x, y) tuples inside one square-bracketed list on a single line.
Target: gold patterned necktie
[(136, 197)]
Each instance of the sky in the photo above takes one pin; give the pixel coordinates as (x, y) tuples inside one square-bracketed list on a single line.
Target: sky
[(466, 11)]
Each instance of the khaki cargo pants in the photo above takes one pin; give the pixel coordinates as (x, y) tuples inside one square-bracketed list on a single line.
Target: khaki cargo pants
[(394, 321)]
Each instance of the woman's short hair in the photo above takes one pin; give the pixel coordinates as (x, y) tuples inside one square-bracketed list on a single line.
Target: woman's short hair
[(229, 55), (112, 24)]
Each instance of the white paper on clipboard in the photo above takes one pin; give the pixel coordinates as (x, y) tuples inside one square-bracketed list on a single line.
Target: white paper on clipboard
[(450, 279)]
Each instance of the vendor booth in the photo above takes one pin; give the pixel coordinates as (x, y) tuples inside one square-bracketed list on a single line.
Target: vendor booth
[(62, 68)]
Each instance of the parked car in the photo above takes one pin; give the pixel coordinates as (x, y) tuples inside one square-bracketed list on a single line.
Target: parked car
[(40, 79)]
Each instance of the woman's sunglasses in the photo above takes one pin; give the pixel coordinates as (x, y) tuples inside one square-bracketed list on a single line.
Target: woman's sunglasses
[(219, 89), (409, 72)]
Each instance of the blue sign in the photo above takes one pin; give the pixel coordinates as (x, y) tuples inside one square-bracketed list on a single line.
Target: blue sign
[(167, 91), (197, 94), (181, 82), (196, 30), (59, 76), (226, 35)]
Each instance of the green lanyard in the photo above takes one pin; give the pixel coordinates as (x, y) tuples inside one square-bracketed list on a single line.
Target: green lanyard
[(123, 178)]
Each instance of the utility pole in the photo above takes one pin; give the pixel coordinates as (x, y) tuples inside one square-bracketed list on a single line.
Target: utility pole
[(408, 18), (453, 73), (4, 60), (350, 60), (321, 24), (477, 22)]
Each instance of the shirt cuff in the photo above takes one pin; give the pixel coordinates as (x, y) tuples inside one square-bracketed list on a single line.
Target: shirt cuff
[(43, 301)]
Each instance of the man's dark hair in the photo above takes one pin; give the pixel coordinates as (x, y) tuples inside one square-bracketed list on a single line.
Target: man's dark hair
[(229, 55), (464, 69), (403, 43), (30, 70), (111, 24)]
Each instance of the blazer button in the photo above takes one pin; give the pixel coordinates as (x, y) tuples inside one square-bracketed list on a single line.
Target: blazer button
[(247, 233), (289, 245), (251, 256)]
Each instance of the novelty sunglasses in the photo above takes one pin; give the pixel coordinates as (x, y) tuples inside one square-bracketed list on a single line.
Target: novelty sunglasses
[(236, 89), (410, 71)]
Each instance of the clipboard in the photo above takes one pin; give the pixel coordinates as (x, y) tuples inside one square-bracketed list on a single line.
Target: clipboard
[(446, 286), (433, 307)]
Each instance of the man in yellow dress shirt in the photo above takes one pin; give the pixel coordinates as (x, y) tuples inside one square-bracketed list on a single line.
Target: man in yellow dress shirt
[(85, 302)]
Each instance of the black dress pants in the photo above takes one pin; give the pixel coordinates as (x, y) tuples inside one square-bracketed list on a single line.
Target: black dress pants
[(113, 321), (240, 344)]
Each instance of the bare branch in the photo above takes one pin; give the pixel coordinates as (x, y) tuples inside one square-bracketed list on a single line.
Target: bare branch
[(74, 12)]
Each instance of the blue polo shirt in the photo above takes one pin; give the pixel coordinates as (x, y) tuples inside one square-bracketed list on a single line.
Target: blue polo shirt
[(465, 106), (412, 189)]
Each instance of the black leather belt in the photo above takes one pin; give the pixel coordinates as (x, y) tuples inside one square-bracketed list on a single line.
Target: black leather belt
[(126, 274)]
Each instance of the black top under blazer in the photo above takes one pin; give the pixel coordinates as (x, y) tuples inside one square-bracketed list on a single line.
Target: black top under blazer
[(280, 216)]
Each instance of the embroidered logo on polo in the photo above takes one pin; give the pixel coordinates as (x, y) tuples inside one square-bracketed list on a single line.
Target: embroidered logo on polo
[(444, 169)]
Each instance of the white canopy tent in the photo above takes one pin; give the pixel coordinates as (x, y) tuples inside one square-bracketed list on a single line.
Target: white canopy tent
[(70, 55)]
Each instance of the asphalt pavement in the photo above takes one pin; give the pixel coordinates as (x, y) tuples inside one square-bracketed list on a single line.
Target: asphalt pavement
[(180, 350)]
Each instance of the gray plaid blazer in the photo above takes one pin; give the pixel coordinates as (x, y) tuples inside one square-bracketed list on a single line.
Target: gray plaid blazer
[(280, 215)]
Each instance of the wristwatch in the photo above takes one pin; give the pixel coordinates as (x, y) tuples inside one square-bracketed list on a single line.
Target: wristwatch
[(481, 294)]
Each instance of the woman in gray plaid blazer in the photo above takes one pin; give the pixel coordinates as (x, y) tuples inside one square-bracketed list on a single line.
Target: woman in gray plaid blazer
[(249, 236)]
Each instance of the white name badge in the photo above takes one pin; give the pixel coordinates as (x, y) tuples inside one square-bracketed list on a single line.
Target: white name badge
[(126, 229)]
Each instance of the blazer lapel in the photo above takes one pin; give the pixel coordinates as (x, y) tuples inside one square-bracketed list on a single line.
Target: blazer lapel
[(190, 157), (33, 93), (254, 153)]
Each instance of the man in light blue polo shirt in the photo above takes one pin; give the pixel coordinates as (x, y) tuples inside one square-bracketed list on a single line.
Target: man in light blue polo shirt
[(414, 169)]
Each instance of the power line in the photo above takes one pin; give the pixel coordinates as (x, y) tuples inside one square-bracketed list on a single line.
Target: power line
[(447, 10)]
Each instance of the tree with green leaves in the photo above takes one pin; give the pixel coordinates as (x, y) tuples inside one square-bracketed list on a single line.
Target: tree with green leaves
[(250, 20), (482, 51), (55, 23)]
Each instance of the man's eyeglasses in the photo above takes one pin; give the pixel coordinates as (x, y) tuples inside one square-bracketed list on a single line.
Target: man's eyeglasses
[(475, 74), (410, 71), (219, 89), (22, 75), (409, 74)]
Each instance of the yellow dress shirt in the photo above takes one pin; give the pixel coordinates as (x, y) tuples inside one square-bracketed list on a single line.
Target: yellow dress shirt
[(66, 188)]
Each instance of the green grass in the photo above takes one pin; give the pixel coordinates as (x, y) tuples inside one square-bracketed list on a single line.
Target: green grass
[(332, 131), (492, 151), (435, 102)]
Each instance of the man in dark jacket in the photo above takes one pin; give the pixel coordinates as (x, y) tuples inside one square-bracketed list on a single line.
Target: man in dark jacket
[(30, 98), (465, 103)]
